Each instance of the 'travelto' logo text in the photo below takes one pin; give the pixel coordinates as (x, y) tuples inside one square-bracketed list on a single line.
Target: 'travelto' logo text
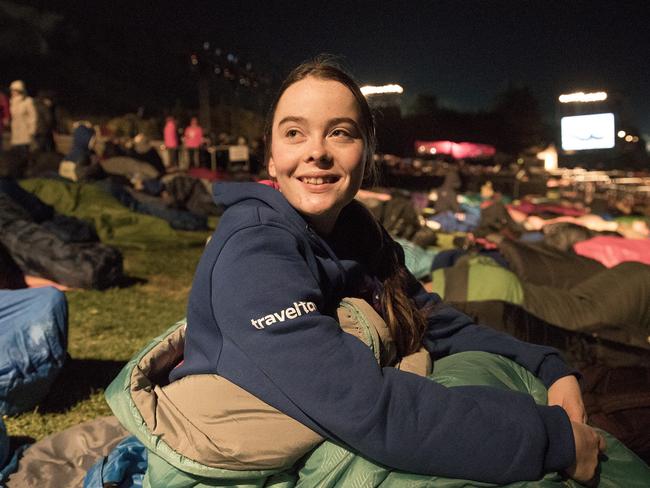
[(296, 310)]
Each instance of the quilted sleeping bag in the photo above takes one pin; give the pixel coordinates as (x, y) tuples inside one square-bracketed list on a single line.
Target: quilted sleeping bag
[(613, 303), (33, 343), (182, 455)]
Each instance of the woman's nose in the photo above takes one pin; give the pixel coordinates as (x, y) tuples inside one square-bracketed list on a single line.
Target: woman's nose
[(317, 151)]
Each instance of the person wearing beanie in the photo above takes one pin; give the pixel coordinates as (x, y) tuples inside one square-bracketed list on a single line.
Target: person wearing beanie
[(23, 118)]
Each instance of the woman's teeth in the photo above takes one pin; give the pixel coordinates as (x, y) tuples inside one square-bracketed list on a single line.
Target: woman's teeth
[(319, 180)]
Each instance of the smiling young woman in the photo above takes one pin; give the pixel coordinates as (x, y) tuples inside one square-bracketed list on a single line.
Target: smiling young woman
[(317, 149), (261, 313)]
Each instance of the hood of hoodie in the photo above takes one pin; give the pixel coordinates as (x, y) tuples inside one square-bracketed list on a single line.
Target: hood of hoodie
[(356, 230), (229, 194)]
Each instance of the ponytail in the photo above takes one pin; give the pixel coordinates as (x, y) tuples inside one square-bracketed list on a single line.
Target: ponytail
[(361, 235), (405, 321)]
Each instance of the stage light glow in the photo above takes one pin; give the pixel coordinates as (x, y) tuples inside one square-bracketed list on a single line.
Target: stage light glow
[(628, 138), (378, 90), (582, 97), (549, 156), (458, 150), (621, 134)]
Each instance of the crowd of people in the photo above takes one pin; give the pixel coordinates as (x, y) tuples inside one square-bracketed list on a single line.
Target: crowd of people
[(303, 239), (194, 147), (28, 126)]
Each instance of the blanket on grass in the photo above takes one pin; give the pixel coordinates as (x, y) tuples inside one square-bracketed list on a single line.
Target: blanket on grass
[(63, 459), (115, 224), (57, 247)]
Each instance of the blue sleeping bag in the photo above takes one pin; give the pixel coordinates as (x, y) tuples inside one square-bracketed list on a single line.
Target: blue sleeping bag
[(4, 444), (33, 343), (8, 460), (124, 466)]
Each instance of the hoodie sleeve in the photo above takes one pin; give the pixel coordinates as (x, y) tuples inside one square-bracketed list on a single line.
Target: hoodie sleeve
[(450, 331), (269, 309)]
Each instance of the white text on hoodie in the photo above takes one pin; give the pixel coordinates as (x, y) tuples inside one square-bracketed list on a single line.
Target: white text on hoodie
[(290, 313)]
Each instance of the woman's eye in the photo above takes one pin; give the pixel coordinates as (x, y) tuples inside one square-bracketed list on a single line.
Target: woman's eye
[(292, 133), (340, 133)]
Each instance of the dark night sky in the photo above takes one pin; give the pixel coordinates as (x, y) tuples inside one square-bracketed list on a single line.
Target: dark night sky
[(463, 52)]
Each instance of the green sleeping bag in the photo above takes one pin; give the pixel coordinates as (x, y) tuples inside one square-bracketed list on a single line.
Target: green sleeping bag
[(115, 223), (329, 464)]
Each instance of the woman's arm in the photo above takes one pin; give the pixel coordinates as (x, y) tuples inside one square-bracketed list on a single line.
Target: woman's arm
[(280, 345), (450, 331)]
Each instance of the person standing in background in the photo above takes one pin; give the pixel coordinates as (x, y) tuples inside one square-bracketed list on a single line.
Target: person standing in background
[(23, 119), (45, 122), (4, 117), (193, 138), (170, 138)]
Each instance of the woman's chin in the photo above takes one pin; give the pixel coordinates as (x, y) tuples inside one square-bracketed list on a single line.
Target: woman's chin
[(318, 213), (318, 206)]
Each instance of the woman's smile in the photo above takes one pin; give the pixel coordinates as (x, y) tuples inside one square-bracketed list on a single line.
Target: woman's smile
[(319, 180)]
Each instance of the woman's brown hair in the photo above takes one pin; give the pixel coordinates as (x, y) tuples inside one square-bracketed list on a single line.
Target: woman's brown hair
[(405, 321)]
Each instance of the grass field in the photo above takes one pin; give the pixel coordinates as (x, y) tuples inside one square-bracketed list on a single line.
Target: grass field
[(105, 329)]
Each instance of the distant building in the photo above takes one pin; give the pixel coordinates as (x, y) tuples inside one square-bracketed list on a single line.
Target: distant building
[(383, 96)]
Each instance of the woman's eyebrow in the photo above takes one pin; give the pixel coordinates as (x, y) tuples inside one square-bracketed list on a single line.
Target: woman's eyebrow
[(334, 121), (340, 120), (292, 118)]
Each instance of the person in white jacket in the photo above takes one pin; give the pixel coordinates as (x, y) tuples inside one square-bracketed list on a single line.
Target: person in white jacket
[(23, 118)]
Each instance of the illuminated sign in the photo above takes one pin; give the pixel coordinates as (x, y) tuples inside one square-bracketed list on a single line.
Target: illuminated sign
[(594, 131), (377, 90), (583, 97), (457, 150)]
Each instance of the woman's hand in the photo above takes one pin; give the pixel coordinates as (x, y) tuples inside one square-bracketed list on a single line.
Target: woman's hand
[(589, 444), (565, 392)]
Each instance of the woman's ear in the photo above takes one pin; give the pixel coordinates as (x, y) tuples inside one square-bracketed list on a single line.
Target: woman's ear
[(271, 168)]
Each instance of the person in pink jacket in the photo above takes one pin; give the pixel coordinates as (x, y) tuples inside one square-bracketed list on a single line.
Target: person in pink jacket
[(170, 138), (193, 138)]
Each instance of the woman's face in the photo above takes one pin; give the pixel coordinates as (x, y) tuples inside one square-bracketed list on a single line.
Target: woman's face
[(317, 151)]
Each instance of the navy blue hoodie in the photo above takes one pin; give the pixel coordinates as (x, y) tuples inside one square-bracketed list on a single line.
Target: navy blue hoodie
[(260, 314)]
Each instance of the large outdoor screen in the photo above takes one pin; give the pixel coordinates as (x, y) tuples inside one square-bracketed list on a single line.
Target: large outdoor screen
[(593, 131)]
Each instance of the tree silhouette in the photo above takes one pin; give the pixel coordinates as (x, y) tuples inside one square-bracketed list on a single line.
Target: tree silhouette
[(517, 120)]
